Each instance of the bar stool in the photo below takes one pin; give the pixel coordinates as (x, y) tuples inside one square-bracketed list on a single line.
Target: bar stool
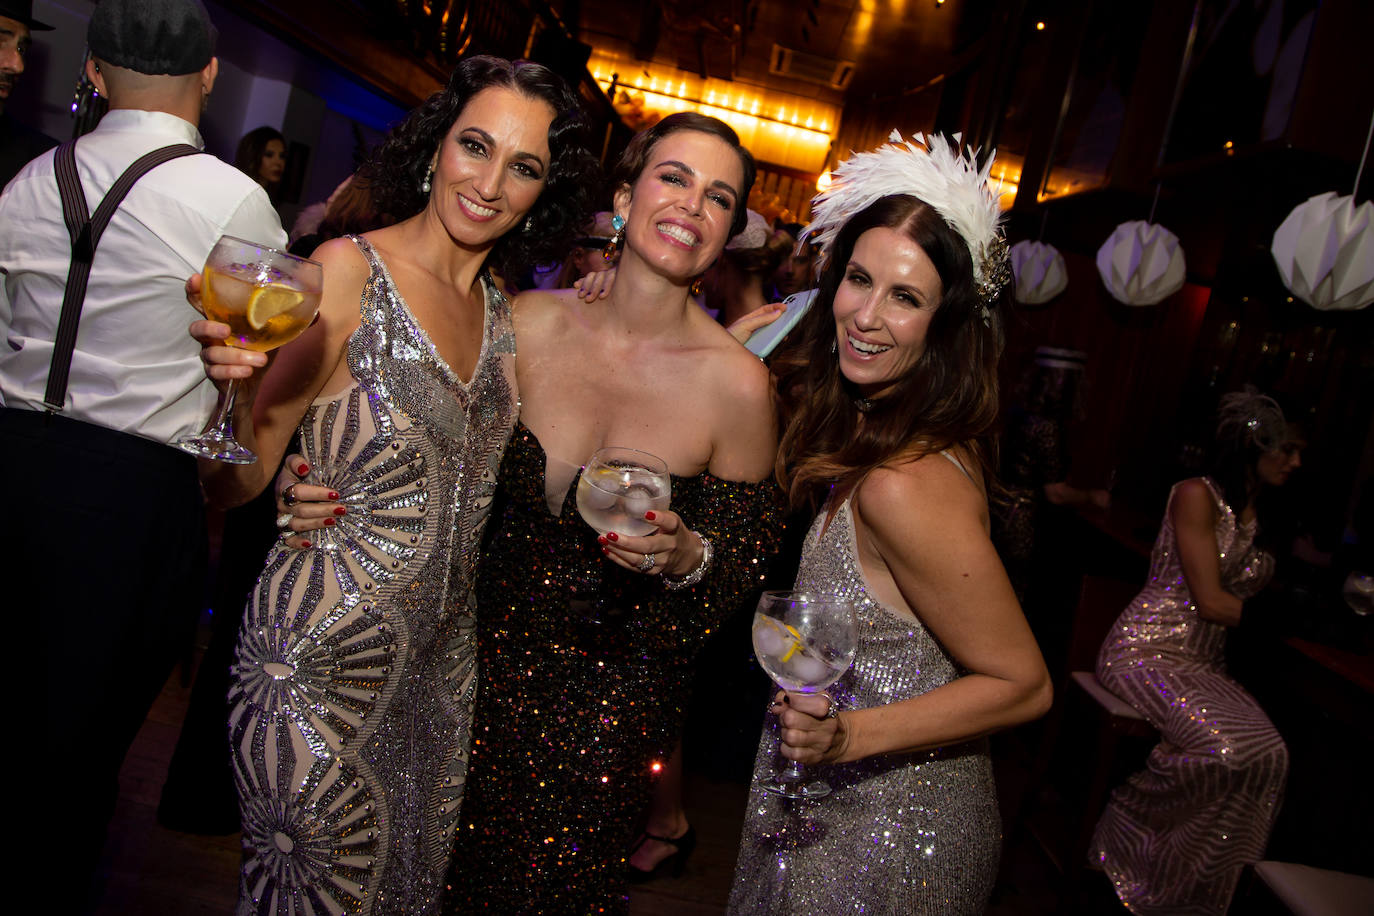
[(1306, 891), (1113, 724)]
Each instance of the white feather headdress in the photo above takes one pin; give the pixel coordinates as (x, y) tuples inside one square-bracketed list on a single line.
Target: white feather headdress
[(1249, 414), (938, 174)]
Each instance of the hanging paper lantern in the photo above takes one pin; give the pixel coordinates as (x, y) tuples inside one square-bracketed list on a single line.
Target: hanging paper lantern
[(1141, 263), (1325, 252), (1040, 272)]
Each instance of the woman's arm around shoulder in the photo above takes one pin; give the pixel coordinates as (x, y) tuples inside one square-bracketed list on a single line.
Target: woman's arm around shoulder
[(1193, 510), (298, 372), (927, 524)]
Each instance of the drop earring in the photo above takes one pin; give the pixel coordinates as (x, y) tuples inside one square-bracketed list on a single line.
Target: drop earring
[(427, 184), (695, 288), (613, 246), (529, 224)]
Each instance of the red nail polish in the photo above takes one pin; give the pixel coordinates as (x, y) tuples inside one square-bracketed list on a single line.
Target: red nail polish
[(338, 510), (334, 494), (613, 536), (305, 544), (650, 516), (601, 539), (302, 470), (329, 523)]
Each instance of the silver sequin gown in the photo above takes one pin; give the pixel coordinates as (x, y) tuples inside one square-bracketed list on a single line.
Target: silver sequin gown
[(902, 833), (1176, 836), (354, 675)]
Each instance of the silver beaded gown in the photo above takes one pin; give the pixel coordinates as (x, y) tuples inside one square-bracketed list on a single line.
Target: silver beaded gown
[(1175, 838), (902, 834), (354, 675)]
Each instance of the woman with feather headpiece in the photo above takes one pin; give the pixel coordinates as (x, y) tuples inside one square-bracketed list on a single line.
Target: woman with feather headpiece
[(1176, 836), (890, 389)]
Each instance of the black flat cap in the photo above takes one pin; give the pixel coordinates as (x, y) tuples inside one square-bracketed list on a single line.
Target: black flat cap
[(22, 11), (172, 37)]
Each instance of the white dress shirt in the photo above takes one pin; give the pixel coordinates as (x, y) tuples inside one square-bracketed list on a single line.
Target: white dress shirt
[(135, 369)]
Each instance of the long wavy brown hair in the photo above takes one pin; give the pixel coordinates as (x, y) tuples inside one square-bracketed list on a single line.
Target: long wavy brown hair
[(948, 398)]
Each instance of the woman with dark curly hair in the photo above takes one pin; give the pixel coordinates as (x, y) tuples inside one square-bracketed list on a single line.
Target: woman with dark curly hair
[(355, 668)]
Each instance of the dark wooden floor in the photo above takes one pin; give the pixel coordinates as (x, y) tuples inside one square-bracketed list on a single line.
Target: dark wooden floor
[(148, 869)]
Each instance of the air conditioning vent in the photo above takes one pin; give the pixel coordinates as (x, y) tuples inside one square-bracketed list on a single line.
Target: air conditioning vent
[(811, 67)]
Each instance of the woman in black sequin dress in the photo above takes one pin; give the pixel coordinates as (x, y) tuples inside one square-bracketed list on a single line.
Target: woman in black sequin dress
[(585, 648)]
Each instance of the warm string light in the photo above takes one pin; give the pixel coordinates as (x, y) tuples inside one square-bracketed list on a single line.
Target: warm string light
[(722, 110), (791, 131)]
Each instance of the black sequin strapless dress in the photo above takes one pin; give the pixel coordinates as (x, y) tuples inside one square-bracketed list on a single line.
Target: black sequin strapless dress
[(585, 675)]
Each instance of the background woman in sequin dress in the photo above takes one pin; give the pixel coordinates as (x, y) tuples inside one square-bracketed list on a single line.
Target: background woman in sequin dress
[(1176, 836), (892, 396), (354, 672)]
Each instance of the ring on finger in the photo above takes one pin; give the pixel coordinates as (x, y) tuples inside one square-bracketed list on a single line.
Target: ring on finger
[(649, 562), (833, 710), (289, 497), (284, 520)]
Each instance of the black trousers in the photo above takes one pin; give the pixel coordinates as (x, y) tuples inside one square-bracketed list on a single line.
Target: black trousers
[(106, 545)]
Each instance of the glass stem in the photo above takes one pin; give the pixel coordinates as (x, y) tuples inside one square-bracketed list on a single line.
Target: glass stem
[(223, 423)]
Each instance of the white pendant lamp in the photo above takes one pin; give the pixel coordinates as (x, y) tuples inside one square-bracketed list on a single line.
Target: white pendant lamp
[(1040, 272), (1325, 252), (1325, 248), (1141, 263)]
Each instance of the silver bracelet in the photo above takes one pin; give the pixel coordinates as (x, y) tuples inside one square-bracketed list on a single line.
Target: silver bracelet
[(696, 575)]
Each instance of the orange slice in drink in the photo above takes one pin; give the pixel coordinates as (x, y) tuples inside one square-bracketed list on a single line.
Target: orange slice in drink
[(269, 301)]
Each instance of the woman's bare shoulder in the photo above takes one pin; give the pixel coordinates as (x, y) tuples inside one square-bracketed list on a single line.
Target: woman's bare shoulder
[(342, 255), (930, 487), (346, 271), (544, 311), (732, 370), (1193, 500)]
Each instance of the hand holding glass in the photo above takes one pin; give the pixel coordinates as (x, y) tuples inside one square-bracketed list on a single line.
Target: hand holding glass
[(805, 642), (267, 297), (618, 486)]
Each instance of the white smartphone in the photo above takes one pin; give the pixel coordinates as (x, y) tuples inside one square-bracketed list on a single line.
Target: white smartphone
[(766, 339)]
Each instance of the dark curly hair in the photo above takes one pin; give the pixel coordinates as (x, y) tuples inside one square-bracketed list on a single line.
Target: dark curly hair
[(636, 155), (395, 170), (949, 397)]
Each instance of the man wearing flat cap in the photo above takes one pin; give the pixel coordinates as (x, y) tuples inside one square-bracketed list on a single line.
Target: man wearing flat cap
[(98, 379), (18, 142)]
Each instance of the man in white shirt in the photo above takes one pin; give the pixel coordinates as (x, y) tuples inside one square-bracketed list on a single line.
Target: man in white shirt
[(111, 546)]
